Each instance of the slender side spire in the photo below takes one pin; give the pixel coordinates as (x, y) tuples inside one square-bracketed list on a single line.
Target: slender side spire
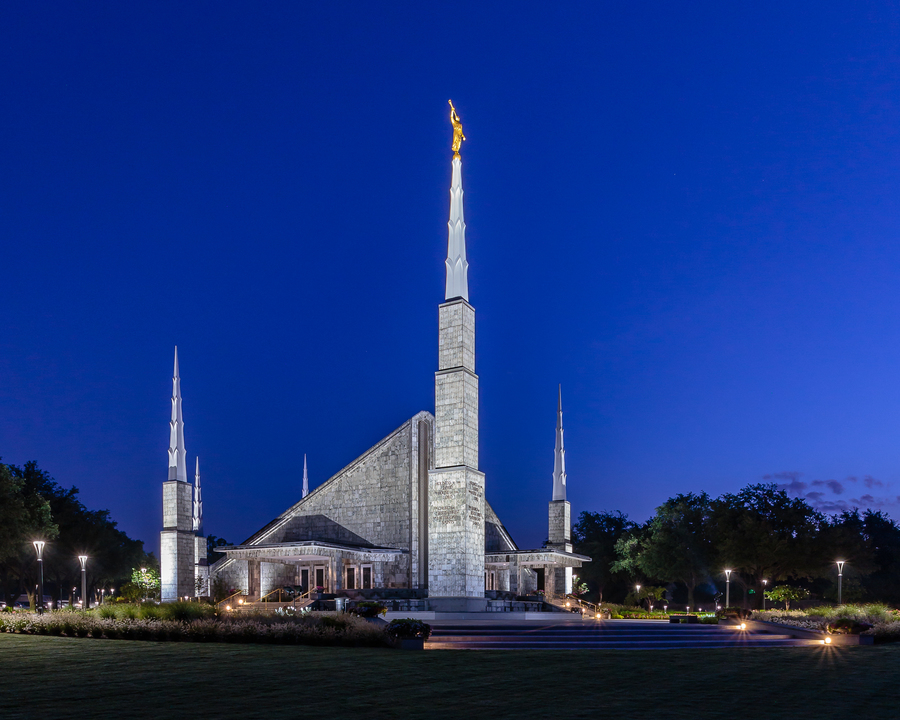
[(457, 265), (198, 501), (177, 453), (305, 478), (559, 461)]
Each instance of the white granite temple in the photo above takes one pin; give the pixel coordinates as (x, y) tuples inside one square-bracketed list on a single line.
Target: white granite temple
[(409, 514)]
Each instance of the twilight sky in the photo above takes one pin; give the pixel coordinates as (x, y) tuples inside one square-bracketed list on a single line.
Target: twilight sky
[(687, 215)]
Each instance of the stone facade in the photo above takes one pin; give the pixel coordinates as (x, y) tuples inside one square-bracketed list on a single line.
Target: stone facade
[(201, 567), (373, 502), (560, 525), (456, 388), (456, 510), (560, 538), (177, 551)]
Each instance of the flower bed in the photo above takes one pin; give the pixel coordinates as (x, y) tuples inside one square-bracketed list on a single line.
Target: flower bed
[(878, 620), (325, 628)]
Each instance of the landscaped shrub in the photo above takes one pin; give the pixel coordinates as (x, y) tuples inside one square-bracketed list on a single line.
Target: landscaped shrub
[(368, 609), (847, 626), (734, 612), (403, 628)]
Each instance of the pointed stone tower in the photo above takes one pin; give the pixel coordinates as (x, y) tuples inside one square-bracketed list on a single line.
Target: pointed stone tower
[(177, 539), (455, 486), (201, 564), (305, 479), (560, 532)]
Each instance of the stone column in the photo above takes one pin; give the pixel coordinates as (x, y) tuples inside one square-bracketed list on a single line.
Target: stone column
[(549, 581), (503, 579), (177, 541), (455, 486)]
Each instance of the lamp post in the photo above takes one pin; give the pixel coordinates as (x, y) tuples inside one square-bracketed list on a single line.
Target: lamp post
[(840, 564), (727, 590), (39, 549), (83, 559), (637, 594), (764, 582)]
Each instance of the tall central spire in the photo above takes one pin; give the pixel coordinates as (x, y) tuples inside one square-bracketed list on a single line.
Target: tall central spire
[(559, 461), (177, 453), (457, 265)]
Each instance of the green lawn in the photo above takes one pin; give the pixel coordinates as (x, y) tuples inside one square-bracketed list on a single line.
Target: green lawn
[(53, 677)]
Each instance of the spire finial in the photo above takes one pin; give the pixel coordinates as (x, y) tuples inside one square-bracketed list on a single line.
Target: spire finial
[(198, 501), (305, 478), (457, 265), (458, 136), (559, 461), (177, 453)]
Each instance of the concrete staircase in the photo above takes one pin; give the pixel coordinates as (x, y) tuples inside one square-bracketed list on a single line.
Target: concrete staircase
[(600, 635)]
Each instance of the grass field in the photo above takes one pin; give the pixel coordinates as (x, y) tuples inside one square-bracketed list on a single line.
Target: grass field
[(53, 677)]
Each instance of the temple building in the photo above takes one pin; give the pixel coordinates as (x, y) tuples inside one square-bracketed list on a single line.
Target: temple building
[(409, 514)]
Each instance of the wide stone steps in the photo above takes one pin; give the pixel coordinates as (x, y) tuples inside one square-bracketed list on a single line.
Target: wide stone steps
[(602, 635)]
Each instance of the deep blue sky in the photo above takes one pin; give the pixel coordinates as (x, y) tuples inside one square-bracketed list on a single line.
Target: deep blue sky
[(687, 215)]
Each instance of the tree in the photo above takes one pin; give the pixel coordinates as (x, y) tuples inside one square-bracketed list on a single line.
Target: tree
[(75, 530), (24, 516), (762, 533), (674, 545), (883, 536), (213, 542), (786, 594), (595, 534), (648, 593)]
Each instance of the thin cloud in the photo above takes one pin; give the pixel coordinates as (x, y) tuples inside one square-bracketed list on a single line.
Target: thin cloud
[(833, 485), (790, 481), (824, 500)]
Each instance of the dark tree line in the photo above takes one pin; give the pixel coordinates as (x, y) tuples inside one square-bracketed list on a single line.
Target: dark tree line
[(34, 506), (760, 532)]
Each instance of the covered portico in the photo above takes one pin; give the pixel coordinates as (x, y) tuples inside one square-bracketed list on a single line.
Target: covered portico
[(260, 569), (509, 571)]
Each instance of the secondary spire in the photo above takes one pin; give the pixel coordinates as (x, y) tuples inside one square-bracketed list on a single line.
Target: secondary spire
[(559, 461), (457, 265), (177, 466), (198, 501), (305, 478)]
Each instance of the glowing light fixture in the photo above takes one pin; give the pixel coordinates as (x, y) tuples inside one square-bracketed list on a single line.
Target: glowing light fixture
[(83, 559), (840, 564), (39, 549)]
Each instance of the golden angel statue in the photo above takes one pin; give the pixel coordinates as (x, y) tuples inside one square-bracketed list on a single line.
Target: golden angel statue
[(458, 136)]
